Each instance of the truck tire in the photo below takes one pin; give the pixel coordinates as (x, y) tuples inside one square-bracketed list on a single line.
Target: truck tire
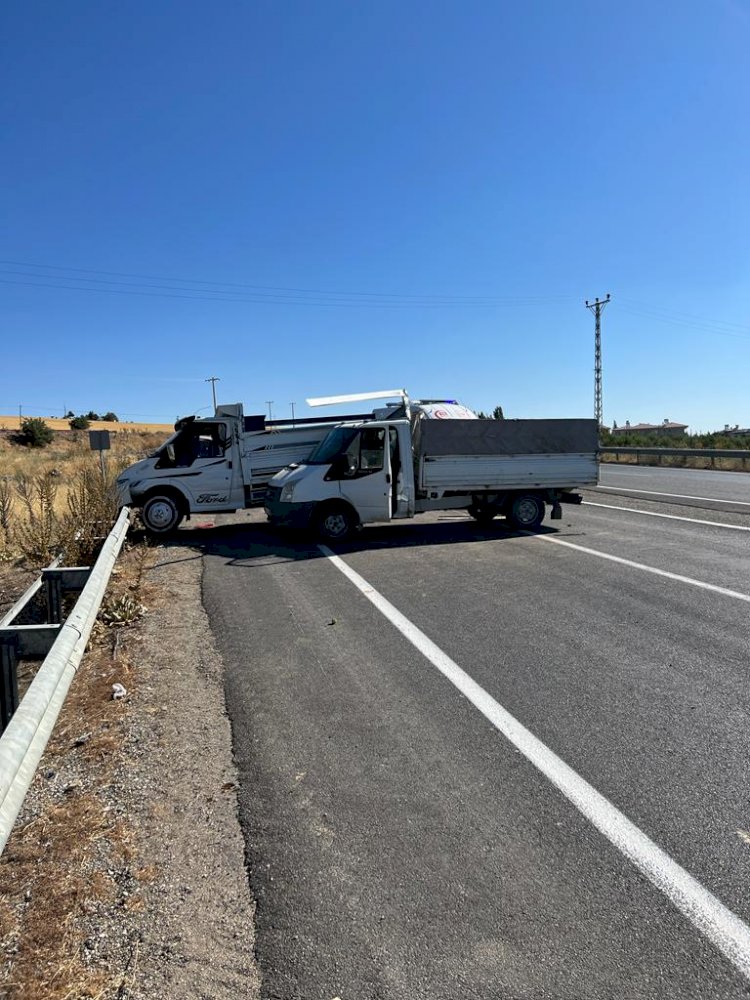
[(526, 511), (334, 522), (161, 514)]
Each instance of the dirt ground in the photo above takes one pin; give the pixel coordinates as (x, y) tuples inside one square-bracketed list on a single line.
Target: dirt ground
[(125, 874)]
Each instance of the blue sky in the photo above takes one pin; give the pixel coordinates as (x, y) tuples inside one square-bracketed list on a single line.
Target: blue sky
[(314, 198)]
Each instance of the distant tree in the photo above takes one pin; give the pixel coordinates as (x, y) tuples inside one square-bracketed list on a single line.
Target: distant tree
[(482, 415), (497, 413), (112, 417), (35, 433), (80, 423), (68, 415), (91, 415)]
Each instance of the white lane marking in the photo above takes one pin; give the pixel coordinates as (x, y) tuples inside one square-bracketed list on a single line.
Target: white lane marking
[(642, 566), (677, 496), (718, 923), (671, 517)]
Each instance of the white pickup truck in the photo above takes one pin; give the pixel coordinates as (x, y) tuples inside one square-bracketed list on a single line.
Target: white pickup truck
[(225, 462), (392, 469)]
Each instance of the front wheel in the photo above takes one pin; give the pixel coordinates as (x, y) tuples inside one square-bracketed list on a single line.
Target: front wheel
[(161, 514), (334, 524), (526, 512)]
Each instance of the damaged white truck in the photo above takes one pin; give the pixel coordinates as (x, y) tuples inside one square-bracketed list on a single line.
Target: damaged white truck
[(386, 470), (224, 463)]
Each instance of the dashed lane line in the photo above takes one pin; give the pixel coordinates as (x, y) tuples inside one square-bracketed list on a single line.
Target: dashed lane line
[(671, 517), (677, 496), (736, 594)]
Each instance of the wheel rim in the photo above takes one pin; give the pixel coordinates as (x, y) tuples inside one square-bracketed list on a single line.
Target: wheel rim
[(160, 514), (527, 510), (335, 524)]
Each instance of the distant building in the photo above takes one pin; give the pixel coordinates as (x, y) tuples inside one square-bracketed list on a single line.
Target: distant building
[(735, 431), (665, 429)]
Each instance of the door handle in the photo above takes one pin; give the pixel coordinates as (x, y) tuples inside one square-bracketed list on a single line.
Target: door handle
[(388, 477)]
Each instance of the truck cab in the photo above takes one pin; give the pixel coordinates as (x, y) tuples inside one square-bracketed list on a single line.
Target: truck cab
[(358, 473), (196, 469)]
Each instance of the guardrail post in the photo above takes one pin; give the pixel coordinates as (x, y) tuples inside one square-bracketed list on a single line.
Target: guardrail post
[(53, 580), (8, 679)]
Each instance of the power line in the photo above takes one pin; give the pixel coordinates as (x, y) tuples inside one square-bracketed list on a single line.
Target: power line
[(675, 316), (270, 301), (701, 326), (220, 287)]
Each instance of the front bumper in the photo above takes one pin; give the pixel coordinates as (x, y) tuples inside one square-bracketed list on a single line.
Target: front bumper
[(291, 515), (124, 497)]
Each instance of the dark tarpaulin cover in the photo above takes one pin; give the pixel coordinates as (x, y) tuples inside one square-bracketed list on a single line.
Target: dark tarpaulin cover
[(505, 437)]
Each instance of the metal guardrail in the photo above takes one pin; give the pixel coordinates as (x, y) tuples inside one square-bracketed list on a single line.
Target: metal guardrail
[(25, 737), (710, 453)]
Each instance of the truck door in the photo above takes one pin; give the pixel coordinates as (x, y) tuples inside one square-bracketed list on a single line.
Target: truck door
[(203, 463), (366, 483), (400, 470)]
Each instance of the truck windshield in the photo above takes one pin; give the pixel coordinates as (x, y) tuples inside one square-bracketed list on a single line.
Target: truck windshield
[(163, 447), (335, 443)]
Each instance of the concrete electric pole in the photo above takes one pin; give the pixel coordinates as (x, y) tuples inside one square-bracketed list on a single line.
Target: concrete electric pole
[(596, 307), (213, 380)]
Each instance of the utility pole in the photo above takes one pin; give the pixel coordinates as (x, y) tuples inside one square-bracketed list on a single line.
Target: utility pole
[(213, 380), (269, 404), (596, 307), (292, 406)]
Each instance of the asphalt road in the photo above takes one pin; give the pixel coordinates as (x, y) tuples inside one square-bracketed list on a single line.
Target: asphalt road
[(723, 490), (400, 845)]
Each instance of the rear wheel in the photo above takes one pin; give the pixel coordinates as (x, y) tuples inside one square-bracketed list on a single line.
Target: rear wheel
[(161, 514), (334, 523), (526, 512)]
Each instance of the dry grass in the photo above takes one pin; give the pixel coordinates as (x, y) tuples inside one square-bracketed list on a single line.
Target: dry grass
[(56, 499), (62, 862), (68, 452)]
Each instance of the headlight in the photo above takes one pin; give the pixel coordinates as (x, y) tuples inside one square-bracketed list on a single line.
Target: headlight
[(287, 492)]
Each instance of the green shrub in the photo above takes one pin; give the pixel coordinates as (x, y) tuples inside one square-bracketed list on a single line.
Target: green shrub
[(80, 423), (112, 417), (35, 433)]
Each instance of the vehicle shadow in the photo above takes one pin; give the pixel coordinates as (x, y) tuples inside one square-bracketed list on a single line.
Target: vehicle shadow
[(255, 544)]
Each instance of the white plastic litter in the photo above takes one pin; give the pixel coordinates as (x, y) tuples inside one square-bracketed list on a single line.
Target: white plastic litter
[(118, 691)]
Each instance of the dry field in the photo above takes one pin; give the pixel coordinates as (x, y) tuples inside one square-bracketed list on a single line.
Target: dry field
[(70, 451), (48, 495), (10, 423)]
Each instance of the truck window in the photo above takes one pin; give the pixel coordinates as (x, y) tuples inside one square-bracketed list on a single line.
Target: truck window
[(193, 442), (371, 450)]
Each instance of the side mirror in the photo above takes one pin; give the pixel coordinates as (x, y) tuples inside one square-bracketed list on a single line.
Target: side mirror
[(340, 468)]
